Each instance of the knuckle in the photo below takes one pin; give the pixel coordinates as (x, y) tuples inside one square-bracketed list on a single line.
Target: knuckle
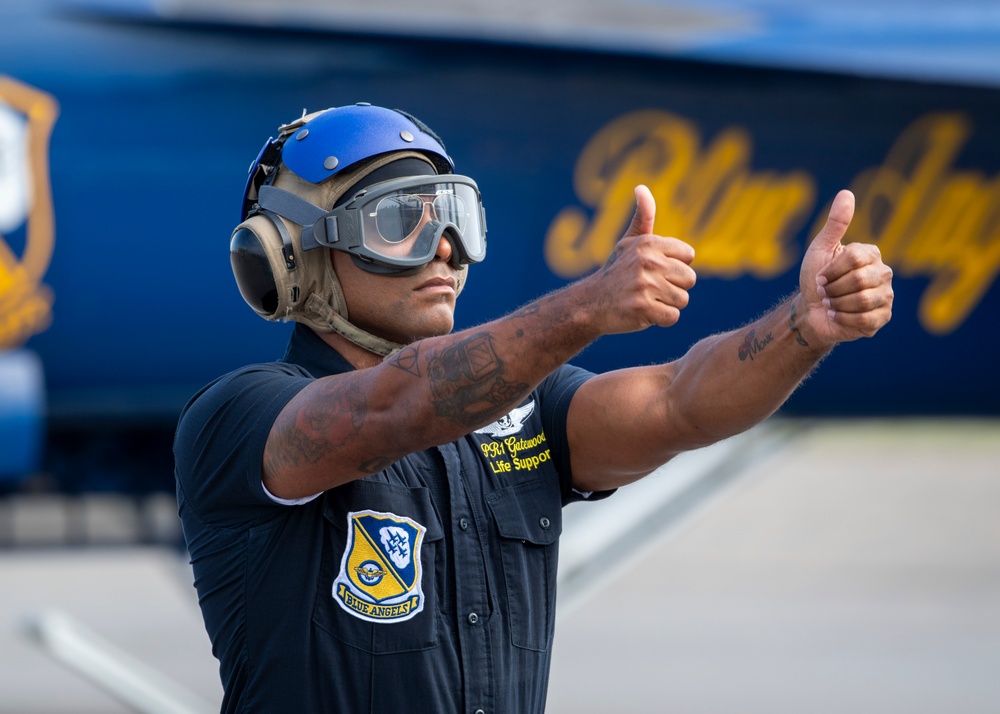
[(646, 241), (868, 301), (645, 283), (647, 262), (870, 277), (669, 317), (868, 323), (854, 258)]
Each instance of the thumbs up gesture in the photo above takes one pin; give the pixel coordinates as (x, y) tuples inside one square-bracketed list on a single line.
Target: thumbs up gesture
[(646, 279), (847, 288)]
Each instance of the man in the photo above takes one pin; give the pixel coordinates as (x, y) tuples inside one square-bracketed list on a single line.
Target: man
[(373, 521)]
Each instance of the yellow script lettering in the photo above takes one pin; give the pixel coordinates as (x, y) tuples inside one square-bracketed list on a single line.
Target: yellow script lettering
[(930, 220), (737, 221)]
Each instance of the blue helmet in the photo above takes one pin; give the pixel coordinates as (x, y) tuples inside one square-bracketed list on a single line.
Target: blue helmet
[(321, 145)]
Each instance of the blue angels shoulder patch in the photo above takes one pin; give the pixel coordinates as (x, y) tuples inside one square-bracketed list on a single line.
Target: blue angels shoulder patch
[(379, 578)]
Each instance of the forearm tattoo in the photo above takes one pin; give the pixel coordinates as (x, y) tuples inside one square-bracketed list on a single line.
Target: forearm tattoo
[(531, 309), (408, 360), (795, 329), (467, 380), (321, 431), (752, 346), (612, 259)]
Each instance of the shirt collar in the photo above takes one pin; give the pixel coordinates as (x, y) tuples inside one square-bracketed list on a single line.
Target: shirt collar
[(307, 349)]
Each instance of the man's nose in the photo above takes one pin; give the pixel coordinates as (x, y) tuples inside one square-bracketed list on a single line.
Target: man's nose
[(444, 249)]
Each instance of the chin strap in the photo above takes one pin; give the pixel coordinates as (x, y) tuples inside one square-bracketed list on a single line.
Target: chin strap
[(336, 322)]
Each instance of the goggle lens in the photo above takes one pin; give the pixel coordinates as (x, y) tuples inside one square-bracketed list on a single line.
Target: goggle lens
[(398, 216), (449, 208)]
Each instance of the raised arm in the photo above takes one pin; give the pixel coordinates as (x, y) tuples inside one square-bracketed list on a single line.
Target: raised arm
[(624, 424), (436, 390)]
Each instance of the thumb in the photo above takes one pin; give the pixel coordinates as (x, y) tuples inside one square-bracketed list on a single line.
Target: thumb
[(837, 222), (645, 212)]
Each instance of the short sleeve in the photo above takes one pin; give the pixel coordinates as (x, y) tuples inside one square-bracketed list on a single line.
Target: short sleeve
[(220, 438), (555, 394)]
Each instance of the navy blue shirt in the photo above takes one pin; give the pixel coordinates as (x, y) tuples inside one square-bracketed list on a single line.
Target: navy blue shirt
[(429, 587)]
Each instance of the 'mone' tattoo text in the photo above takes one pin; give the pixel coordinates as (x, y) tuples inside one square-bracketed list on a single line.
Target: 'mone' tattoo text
[(752, 346)]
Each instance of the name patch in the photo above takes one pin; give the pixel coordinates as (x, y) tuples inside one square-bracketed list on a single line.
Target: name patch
[(507, 452)]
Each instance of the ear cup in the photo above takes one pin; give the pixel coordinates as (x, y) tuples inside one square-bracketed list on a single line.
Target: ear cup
[(259, 266)]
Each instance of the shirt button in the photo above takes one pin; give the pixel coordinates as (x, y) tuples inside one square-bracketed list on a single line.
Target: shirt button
[(473, 618), (463, 523), (544, 522), (479, 711)]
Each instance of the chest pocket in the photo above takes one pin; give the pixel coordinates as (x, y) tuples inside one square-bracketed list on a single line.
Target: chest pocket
[(529, 519), (377, 590)]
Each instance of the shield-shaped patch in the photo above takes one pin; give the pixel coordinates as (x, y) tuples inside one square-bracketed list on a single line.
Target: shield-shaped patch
[(27, 116), (380, 575)]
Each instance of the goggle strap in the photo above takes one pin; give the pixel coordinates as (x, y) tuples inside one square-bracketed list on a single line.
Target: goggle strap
[(295, 209)]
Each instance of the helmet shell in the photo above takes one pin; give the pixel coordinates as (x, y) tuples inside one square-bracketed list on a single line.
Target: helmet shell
[(328, 142), (339, 138)]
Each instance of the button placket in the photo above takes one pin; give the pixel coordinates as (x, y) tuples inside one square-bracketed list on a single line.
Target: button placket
[(471, 595)]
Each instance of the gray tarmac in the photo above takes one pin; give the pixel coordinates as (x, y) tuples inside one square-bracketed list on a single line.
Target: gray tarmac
[(854, 568), (808, 567)]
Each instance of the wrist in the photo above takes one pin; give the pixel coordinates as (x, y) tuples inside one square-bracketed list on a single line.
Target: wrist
[(563, 316), (800, 326)]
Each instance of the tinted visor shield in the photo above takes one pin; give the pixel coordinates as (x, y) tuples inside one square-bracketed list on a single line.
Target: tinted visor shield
[(401, 221)]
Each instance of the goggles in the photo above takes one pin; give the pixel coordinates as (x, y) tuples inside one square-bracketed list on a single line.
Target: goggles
[(394, 226)]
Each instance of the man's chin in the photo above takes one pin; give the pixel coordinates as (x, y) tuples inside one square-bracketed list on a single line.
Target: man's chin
[(437, 328)]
